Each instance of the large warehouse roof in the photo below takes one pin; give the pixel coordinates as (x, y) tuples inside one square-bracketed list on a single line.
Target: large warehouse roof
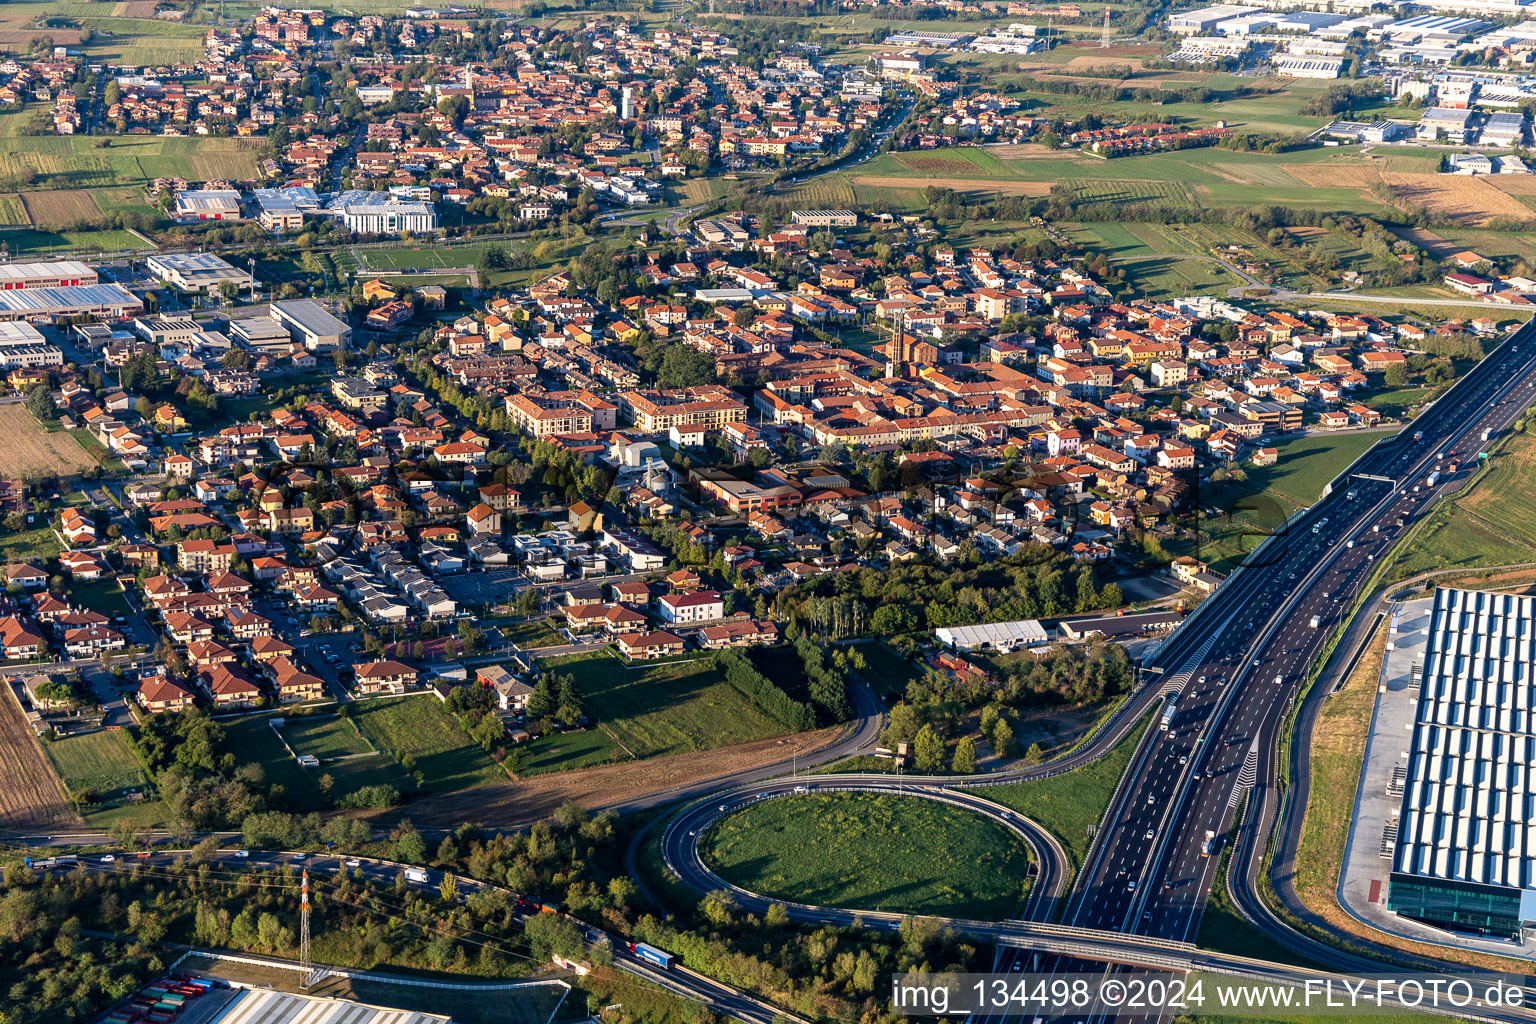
[(55, 301), (267, 1007), (996, 635), (60, 269), (1470, 795)]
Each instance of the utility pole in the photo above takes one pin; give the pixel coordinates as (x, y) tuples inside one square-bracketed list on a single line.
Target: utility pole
[(1104, 45), (306, 969)]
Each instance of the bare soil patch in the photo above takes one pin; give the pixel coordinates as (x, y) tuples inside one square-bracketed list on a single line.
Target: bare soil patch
[(1331, 175), (1028, 151), (1428, 241), (1009, 188), (1466, 199), (519, 803), (31, 796), (1513, 184), (11, 37), (29, 451), (138, 8)]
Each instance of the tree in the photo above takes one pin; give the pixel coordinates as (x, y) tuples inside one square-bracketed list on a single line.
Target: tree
[(683, 366), (928, 749), (408, 845), (1002, 739), (744, 316), (1396, 375), (964, 761), (40, 402)]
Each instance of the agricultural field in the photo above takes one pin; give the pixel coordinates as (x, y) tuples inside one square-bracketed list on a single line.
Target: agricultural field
[(422, 730), (30, 452), (1171, 277), (74, 162), (60, 208), (873, 852), (13, 210), (32, 242), (100, 761), (31, 796), (650, 710)]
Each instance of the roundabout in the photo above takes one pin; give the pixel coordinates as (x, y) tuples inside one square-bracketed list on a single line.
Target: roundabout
[(1044, 868)]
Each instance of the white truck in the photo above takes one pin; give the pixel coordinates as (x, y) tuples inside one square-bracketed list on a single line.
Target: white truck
[(416, 875), (1432, 479), (1314, 622)]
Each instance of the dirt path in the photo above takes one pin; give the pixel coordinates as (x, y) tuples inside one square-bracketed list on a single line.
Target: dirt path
[(31, 796), (521, 803)]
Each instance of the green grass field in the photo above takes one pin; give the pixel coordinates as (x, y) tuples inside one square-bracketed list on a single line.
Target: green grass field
[(421, 729), (873, 852), (1271, 494), (40, 542), (100, 761), (532, 633), (1071, 805), (103, 596), (1173, 277), (37, 242), (324, 736), (252, 740), (887, 672), (1491, 523), (649, 711)]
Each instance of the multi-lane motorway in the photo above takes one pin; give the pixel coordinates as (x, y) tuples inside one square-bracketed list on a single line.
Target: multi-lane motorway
[(1233, 670)]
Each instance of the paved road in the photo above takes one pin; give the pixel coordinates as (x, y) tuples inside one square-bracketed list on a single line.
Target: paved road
[(1249, 281), (1233, 669), (719, 998), (680, 844)]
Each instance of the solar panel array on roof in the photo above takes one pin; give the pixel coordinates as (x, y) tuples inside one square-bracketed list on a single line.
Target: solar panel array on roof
[(266, 1007), (1470, 797)]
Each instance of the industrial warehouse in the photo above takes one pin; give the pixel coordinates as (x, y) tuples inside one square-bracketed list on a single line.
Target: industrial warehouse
[(267, 1007), (1465, 857)]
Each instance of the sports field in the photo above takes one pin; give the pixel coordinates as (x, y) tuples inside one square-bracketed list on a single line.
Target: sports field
[(873, 852)]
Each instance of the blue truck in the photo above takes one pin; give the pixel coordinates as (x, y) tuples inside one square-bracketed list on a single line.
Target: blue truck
[(650, 954)]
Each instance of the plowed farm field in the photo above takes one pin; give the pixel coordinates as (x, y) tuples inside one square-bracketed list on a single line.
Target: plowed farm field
[(30, 794), (62, 208), (28, 451)]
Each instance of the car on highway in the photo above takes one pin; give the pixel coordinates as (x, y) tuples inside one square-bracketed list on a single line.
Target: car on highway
[(108, 858), (354, 862)]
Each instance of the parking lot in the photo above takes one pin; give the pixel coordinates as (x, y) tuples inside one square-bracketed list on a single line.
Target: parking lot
[(493, 586)]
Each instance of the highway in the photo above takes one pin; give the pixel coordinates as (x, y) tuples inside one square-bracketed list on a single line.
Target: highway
[(1233, 668), (1146, 872)]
